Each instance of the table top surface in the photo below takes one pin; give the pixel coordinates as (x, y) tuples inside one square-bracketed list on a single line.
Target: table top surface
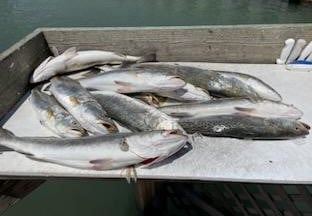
[(209, 158)]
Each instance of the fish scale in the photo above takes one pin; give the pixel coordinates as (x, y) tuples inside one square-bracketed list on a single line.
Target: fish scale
[(82, 105), (246, 127)]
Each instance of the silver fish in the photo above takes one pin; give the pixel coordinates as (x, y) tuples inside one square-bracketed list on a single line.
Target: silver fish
[(54, 117), (84, 73), (231, 106), (155, 100), (249, 127), (82, 105), (127, 80), (219, 83), (73, 60), (98, 152), (188, 93), (135, 114)]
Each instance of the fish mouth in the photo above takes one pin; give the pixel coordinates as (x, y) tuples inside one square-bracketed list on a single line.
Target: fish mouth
[(111, 127), (303, 127), (78, 131)]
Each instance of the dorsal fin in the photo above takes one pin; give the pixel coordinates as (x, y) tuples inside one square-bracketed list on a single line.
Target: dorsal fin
[(70, 52)]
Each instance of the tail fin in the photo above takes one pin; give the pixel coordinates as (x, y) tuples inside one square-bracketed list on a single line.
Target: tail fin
[(148, 57)]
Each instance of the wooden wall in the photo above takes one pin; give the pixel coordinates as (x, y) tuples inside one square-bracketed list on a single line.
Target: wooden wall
[(240, 44)]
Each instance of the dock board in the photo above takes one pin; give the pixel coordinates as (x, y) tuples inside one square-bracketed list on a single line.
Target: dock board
[(221, 159)]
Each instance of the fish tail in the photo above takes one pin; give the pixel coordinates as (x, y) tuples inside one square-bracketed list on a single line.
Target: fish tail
[(148, 57)]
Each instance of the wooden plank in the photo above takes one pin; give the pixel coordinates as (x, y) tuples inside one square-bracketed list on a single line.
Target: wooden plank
[(16, 65), (237, 44), (268, 200), (251, 200), (145, 193), (292, 209)]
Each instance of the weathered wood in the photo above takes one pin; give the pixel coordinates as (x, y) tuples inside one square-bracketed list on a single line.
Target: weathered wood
[(16, 65), (237, 44), (145, 193)]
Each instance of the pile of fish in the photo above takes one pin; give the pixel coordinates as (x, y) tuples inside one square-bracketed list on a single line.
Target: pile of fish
[(113, 111)]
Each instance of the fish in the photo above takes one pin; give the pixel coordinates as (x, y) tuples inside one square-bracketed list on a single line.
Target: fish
[(246, 127), (232, 106), (84, 73), (155, 100), (82, 105), (219, 83), (54, 117), (128, 80), (103, 152), (72, 60), (134, 114), (188, 93)]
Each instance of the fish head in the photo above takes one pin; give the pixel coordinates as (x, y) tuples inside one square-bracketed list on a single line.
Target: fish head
[(296, 128), (65, 86), (260, 88), (97, 119), (155, 146), (48, 68), (69, 127)]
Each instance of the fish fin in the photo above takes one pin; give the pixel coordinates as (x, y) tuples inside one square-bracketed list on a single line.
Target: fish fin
[(123, 86), (180, 114), (129, 173), (148, 57), (55, 51), (245, 109), (70, 52), (82, 164), (101, 164), (254, 99)]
